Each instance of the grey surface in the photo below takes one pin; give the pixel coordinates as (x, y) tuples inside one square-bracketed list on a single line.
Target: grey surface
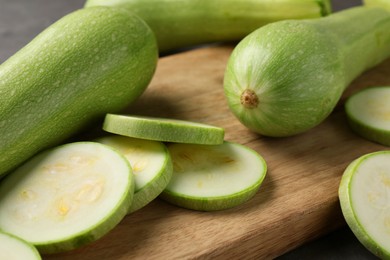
[(21, 20)]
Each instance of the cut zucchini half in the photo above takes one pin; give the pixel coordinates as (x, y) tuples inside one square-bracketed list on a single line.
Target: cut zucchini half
[(66, 197), (368, 113), (151, 164), (12, 247), (163, 129), (216, 177), (364, 194)]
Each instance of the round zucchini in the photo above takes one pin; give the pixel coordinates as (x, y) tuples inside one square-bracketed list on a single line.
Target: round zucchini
[(151, 165), (287, 77), (213, 177), (368, 114), (90, 62), (364, 193), (163, 129), (12, 247), (66, 197)]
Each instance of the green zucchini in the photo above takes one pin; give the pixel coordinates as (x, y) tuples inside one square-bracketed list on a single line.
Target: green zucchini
[(287, 77), (213, 177), (182, 23), (66, 197), (12, 247), (151, 166), (90, 62), (364, 199), (163, 129), (368, 114), (380, 3)]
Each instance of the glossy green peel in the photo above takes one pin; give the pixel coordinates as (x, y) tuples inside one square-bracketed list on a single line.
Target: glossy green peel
[(285, 78), (183, 23), (90, 62)]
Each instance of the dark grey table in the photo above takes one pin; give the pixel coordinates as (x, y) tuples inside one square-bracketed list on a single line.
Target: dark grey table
[(21, 20)]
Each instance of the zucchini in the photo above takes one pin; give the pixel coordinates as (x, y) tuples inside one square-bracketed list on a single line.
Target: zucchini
[(151, 165), (182, 23), (287, 77), (12, 247), (90, 62), (368, 114), (380, 3), (213, 177), (364, 193), (66, 197), (163, 129)]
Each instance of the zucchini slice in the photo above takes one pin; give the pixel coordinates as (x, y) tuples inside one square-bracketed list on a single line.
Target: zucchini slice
[(213, 177), (66, 197), (163, 129), (151, 165), (368, 113), (12, 247), (364, 194)]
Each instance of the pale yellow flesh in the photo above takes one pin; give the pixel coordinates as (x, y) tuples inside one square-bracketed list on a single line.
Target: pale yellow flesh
[(12, 248), (213, 171), (147, 158), (370, 198), (62, 193), (372, 107)]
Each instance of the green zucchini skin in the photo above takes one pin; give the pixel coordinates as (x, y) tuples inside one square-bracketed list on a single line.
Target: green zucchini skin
[(90, 62), (287, 77), (183, 23), (379, 3)]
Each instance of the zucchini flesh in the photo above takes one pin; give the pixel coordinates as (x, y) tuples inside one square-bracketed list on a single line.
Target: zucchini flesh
[(90, 62), (66, 197), (151, 166), (364, 194), (213, 177), (14, 248), (183, 23), (368, 114)]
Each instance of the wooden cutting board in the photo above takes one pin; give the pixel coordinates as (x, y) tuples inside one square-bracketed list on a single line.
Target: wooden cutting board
[(297, 202)]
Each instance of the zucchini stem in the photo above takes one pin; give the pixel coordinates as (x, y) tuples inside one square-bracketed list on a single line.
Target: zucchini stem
[(249, 99)]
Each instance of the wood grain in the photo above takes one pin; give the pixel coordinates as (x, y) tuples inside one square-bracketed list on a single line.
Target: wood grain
[(297, 202)]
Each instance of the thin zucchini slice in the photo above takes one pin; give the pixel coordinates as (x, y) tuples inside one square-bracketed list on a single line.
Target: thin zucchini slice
[(12, 247), (213, 177), (364, 194), (151, 164), (368, 113), (66, 197), (163, 129)]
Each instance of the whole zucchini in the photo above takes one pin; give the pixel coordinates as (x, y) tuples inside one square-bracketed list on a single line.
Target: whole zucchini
[(182, 23), (90, 62), (287, 77)]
